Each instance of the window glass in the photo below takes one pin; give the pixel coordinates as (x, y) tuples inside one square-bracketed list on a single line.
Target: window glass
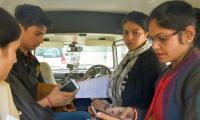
[(121, 50), (58, 58)]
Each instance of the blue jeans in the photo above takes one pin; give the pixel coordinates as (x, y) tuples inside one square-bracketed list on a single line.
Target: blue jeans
[(82, 104), (79, 115)]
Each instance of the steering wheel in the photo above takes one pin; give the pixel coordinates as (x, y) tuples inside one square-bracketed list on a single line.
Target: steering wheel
[(97, 70)]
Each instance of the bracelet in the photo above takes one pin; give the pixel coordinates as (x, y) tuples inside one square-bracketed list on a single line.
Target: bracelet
[(50, 103)]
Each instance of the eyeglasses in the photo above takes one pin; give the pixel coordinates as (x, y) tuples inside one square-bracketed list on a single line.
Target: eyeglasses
[(162, 38)]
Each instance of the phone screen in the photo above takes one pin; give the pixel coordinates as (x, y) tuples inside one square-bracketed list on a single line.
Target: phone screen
[(69, 87)]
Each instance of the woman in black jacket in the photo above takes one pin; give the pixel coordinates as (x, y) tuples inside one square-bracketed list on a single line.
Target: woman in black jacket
[(133, 81)]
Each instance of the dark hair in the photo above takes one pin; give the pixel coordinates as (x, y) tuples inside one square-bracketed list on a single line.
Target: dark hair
[(176, 15), (197, 40), (29, 15), (139, 18), (9, 28), (197, 16)]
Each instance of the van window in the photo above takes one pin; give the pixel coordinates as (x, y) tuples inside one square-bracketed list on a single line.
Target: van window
[(58, 58)]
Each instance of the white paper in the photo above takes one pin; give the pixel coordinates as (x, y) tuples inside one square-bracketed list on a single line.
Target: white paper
[(94, 88)]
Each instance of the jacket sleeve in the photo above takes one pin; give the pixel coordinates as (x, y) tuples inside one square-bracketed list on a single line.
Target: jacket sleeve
[(191, 100)]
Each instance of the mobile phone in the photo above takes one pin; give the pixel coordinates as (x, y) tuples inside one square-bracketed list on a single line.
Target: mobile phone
[(70, 86)]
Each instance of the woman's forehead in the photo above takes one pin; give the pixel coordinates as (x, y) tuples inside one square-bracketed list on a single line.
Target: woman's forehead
[(155, 28)]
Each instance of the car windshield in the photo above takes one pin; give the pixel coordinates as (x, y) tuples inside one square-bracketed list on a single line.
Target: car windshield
[(58, 58), (91, 55)]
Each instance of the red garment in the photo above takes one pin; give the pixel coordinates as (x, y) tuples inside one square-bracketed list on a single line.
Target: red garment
[(157, 102)]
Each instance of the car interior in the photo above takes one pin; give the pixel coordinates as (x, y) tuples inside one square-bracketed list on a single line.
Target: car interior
[(85, 40), (87, 34)]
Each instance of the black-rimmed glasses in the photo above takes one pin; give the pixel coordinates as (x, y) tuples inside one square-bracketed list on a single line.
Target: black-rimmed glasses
[(162, 38)]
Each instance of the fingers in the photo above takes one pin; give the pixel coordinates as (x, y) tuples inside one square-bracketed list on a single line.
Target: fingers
[(96, 100), (67, 94), (105, 116), (98, 104), (135, 115), (126, 112), (115, 110), (129, 112), (67, 102), (60, 98), (91, 112)]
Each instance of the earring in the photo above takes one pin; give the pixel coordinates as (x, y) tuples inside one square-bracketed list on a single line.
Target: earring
[(189, 41)]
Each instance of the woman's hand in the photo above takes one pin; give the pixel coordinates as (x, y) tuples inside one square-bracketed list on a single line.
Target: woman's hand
[(96, 103), (100, 104), (57, 98), (124, 113), (104, 116)]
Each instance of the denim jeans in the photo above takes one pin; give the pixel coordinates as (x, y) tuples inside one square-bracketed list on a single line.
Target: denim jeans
[(79, 115)]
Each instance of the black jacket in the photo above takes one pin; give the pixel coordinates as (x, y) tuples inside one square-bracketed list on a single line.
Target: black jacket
[(139, 88), (28, 69), (23, 81), (25, 103)]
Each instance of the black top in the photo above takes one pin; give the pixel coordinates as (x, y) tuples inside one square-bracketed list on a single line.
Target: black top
[(23, 81), (28, 69), (139, 88), (25, 103)]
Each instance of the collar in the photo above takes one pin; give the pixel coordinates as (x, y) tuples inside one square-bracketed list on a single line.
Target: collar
[(29, 58)]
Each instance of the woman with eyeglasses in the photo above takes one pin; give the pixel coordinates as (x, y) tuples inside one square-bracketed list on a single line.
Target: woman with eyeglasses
[(9, 43), (133, 80), (177, 94)]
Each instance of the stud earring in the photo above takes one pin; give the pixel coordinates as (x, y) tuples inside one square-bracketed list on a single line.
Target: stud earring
[(189, 41)]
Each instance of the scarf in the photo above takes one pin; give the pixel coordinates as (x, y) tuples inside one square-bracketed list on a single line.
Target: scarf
[(118, 82)]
